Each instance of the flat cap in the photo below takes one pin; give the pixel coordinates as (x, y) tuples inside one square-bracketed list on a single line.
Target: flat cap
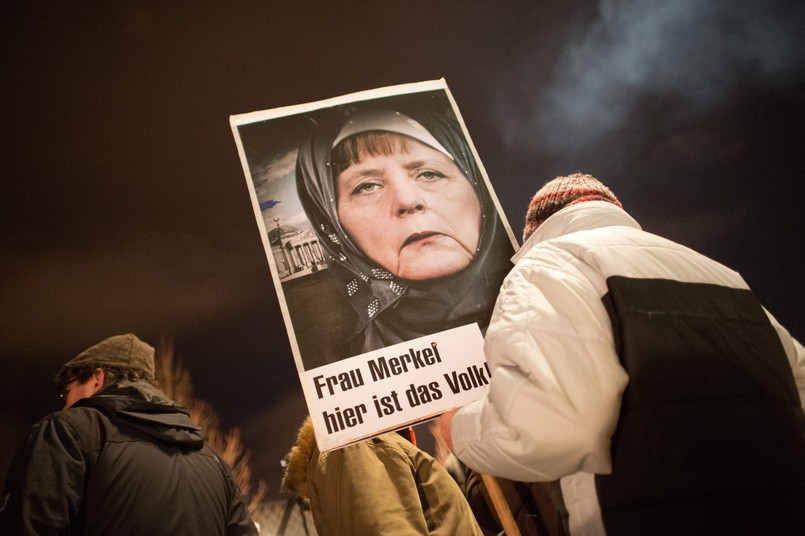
[(121, 351)]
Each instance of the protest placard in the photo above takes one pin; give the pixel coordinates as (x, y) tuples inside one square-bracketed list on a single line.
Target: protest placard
[(387, 248)]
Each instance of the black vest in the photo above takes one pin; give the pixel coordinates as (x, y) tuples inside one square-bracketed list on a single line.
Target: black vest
[(711, 436)]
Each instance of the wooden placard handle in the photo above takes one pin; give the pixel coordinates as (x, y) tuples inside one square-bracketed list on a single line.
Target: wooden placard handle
[(500, 504)]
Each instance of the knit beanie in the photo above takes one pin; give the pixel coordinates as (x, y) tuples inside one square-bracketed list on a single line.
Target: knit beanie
[(561, 192)]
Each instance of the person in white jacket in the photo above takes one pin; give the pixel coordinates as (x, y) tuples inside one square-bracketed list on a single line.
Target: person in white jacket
[(644, 377)]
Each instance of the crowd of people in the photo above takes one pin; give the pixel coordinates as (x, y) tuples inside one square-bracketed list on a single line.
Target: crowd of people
[(638, 387)]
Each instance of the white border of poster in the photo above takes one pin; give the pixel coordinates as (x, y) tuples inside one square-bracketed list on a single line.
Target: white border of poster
[(351, 397)]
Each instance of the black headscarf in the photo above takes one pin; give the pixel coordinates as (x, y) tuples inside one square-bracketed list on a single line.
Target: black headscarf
[(390, 309)]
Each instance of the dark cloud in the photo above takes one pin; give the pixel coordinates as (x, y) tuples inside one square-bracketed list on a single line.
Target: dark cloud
[(694, 55)]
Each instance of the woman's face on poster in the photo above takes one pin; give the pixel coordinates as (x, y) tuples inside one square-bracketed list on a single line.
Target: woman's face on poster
[(413, 212)]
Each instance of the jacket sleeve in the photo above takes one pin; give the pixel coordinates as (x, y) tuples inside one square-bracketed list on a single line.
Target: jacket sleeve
[(45, 484), (556, 385), (239, 522), (796, 356)]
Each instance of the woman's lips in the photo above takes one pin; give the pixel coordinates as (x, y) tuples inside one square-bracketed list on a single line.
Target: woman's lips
[(417, 237)]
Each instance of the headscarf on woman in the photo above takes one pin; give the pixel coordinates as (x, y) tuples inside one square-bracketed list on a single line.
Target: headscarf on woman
[(390, 309)]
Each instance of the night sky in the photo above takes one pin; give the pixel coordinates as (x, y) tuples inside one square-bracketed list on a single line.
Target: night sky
[(125, 208)]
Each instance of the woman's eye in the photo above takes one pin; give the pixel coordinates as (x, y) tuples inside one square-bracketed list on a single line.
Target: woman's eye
[(365, 188), (430, 175)]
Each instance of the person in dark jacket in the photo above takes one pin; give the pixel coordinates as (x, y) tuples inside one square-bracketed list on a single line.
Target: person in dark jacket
[(120, 458), (531, 504)]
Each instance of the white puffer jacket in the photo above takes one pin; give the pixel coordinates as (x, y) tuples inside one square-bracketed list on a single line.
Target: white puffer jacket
[(557, 382)]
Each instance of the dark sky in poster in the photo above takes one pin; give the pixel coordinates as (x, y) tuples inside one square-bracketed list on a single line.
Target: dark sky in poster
[(125, 207)]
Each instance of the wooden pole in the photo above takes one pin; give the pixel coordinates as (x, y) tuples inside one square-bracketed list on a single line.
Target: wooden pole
[(500, 504)]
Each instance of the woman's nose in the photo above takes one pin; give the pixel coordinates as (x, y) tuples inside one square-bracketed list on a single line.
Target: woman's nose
[(408, 198)]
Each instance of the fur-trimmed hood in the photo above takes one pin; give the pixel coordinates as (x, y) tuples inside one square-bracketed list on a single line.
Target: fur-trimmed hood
[(295, 479)]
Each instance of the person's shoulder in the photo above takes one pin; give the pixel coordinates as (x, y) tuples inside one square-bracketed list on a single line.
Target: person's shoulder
[(64, 415), (394, 445), (381, 445), (390, 440), (77, 417), (76, 425)]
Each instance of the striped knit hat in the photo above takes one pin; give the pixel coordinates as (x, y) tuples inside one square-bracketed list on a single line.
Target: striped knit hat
[(561, 192)]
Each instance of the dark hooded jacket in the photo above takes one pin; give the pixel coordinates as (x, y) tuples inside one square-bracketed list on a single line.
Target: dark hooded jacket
[(125, 461)]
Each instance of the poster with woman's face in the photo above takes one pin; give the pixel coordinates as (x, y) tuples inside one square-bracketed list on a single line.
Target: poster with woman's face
[(387, 248)]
